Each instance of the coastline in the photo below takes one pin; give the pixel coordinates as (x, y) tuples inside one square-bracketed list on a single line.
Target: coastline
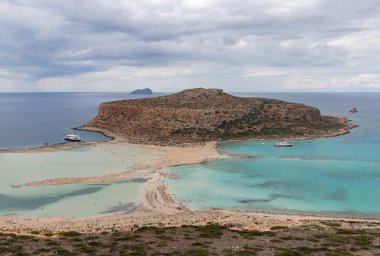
[(158, 205), (338, 133), (105, 133), (348, 126), (174, 217), (119, 139)]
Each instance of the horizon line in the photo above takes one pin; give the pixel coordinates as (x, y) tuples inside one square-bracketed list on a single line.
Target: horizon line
[(161, 92)]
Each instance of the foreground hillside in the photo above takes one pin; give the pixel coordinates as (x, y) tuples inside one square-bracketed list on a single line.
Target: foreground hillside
[(199, 115), (328, 238)]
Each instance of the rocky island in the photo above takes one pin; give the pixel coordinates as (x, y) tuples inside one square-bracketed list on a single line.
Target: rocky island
[(142, 91), (199, 115)]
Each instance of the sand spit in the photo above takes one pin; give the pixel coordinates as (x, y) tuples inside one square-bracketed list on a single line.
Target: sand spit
[(51, 148), (167, 156), (173, 156), (116, 177), (158, 198)]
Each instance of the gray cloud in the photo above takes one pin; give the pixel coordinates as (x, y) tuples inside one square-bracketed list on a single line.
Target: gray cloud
[(169, 45)]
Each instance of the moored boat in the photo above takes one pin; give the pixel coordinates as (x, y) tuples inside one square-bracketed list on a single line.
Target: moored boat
[(283, 144), (72, 137)]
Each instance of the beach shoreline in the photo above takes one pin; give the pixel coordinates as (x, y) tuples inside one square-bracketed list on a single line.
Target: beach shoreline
[(172, 217)]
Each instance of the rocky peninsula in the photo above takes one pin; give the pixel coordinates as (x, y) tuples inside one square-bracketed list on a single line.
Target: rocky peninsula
[(200, 115)]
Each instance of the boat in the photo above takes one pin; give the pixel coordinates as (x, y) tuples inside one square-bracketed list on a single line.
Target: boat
[(353, 110), (72, 137), (283, 144)]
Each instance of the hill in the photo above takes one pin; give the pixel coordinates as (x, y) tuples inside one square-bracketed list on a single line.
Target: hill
[(198, 115)]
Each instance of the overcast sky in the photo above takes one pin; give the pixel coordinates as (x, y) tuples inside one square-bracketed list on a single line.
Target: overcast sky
[(168, 45)]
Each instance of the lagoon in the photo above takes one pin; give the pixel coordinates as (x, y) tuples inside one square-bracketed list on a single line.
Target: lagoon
[(73, 200)]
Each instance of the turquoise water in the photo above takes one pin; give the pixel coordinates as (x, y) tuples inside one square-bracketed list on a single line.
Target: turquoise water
[(77, 200), (328, 176)]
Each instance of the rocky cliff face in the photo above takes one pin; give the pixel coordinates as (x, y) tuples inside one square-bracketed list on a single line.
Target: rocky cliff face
[(198, 115)]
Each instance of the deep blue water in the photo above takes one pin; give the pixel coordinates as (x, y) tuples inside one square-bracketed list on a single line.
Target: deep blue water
[(326, 176), (32, 119)]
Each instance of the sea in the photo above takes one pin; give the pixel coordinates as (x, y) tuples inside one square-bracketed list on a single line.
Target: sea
[(33, 119), (336, 176)]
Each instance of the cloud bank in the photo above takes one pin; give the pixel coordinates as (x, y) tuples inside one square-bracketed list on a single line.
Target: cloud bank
[(261, 45)]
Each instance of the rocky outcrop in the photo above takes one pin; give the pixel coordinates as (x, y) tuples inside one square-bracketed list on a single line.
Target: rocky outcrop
[(199, 115)]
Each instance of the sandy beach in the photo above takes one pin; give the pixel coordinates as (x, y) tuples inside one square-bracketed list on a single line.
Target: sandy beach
[(170, 218)]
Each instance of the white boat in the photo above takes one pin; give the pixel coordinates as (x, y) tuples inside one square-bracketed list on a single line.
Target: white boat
[(283, 144), (353, 110), (72, 137)]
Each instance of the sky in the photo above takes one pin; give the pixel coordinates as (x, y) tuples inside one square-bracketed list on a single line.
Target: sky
[(170, 45)]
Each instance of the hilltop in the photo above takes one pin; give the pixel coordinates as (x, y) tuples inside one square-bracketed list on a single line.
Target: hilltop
[(198, 115)]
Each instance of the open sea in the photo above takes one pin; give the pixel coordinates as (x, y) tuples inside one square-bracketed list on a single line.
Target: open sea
[(32, 119), (337, 176)]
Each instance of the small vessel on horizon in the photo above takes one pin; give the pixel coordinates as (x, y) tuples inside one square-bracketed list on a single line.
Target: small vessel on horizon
[(283, 144), (72, 137), (353, 110)]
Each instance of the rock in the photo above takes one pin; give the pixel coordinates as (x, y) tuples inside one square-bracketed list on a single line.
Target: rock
[(199, 115), (142, 91)]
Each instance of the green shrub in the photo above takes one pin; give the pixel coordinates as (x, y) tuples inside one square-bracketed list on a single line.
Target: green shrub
[(70, 234)]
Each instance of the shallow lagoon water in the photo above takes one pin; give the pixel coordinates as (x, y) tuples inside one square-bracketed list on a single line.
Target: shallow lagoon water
[(337, 176), (75, 200), (81, 200)]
